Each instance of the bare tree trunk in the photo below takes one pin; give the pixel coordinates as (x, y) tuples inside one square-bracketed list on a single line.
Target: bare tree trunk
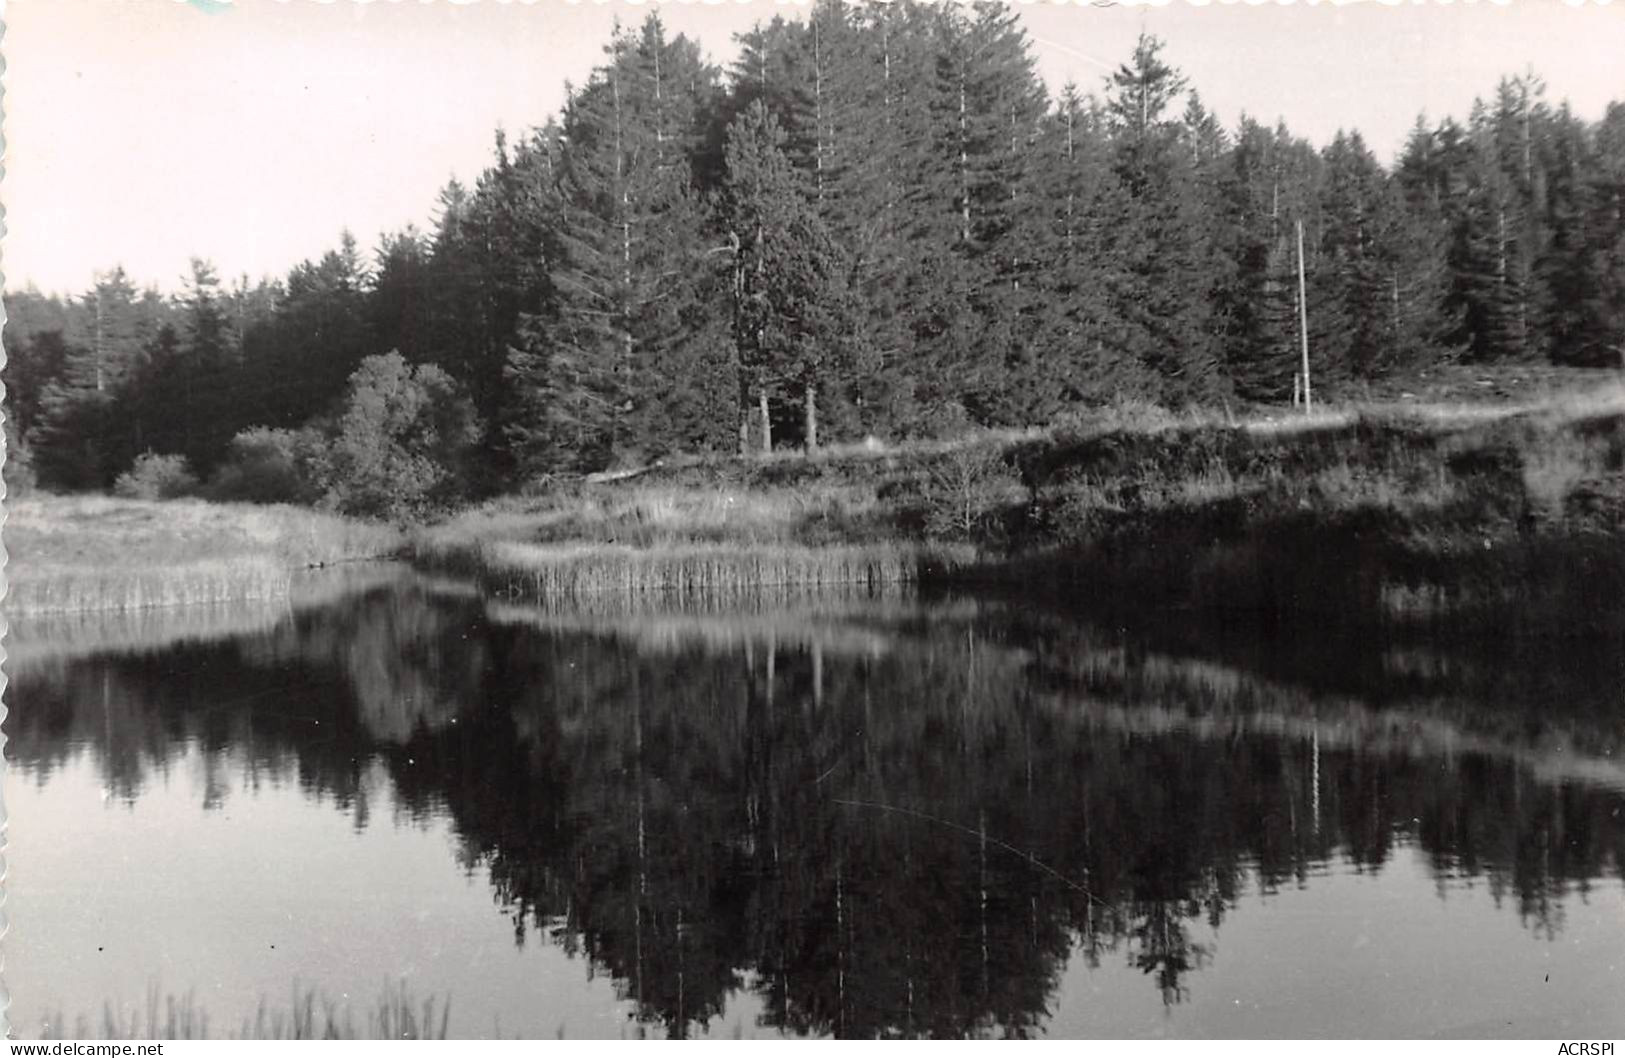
[(1015, 280), (1070, 194), (818, 113), (812, 417), (1395, 286), (625, 372), (1523, 106), (964, 166), (1501, 247), (1503, 275), (767, 422), (1303, 322), (885, 49), (98, 339)]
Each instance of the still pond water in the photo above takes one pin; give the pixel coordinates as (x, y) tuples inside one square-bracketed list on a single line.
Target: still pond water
[(834, 815)]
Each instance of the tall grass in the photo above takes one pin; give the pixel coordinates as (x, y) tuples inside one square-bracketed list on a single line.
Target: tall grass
[(665, 515), (44, 637), (539, 571), (98, 553), (664, 539), (67, 589), (307, 1015)]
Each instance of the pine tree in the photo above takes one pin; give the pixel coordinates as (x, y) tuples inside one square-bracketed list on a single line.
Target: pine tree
[(794, 323), (1581, 268), (297, 364), (1429, 317), (1353, 265), (400, 310), (1608, 226), (629, 251), (1067, 361), (81, 441), (192, 406), (1255, 296), (1161, 295), (109, 325), (893, 248), (1490, 282)]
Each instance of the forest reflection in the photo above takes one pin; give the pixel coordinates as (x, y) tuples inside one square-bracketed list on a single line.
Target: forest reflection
[(888, 817)]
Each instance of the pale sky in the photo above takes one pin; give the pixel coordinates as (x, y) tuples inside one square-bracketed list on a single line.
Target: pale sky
[(144, 132)]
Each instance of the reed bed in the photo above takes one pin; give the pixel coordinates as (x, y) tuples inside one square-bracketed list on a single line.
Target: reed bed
[(763, 603), (658, 515), (308, 1015), (41, 638), (531, 570), (67, 589)]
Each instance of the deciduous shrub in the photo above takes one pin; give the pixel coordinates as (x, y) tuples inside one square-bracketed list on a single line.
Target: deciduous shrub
[(403, 445), (156, 477), (965, 489), (18, 471)]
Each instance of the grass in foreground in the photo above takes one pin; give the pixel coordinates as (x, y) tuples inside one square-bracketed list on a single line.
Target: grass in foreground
[(308, 1015), (68, 554)]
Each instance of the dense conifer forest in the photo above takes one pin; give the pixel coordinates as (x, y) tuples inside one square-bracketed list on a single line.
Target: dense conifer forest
[(878, 221)]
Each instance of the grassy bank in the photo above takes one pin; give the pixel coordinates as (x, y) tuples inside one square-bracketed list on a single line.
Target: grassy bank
[(1398, 512), (1435, 516), (71, 554), (665, 539)]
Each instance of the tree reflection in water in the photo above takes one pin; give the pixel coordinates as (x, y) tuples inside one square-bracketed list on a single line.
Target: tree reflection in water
[(889, 819)]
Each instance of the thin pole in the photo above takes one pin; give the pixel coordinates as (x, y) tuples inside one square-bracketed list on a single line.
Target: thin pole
[(1303, 322)]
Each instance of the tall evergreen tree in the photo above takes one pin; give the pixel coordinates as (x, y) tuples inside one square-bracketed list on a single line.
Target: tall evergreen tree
[(1067, 360), (629, 236), (82, 442), (1161, 296), (795, 327), (1581, 268)]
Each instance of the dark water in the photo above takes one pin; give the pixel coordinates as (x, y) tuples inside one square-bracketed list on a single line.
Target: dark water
[(822, 816)]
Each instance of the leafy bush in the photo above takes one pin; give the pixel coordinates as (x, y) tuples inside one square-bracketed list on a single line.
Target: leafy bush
[(964, 491), (156, 477), (18, 471), (403, 445), (265, 465)]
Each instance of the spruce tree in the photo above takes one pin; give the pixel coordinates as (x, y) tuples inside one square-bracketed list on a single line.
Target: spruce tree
[(795, 327), (1066, 361), (1161, 291), (82, 442), (1581, 267), (621, 329)]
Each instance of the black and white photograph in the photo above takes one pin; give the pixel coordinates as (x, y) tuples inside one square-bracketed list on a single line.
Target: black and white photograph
[(845, 519)]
